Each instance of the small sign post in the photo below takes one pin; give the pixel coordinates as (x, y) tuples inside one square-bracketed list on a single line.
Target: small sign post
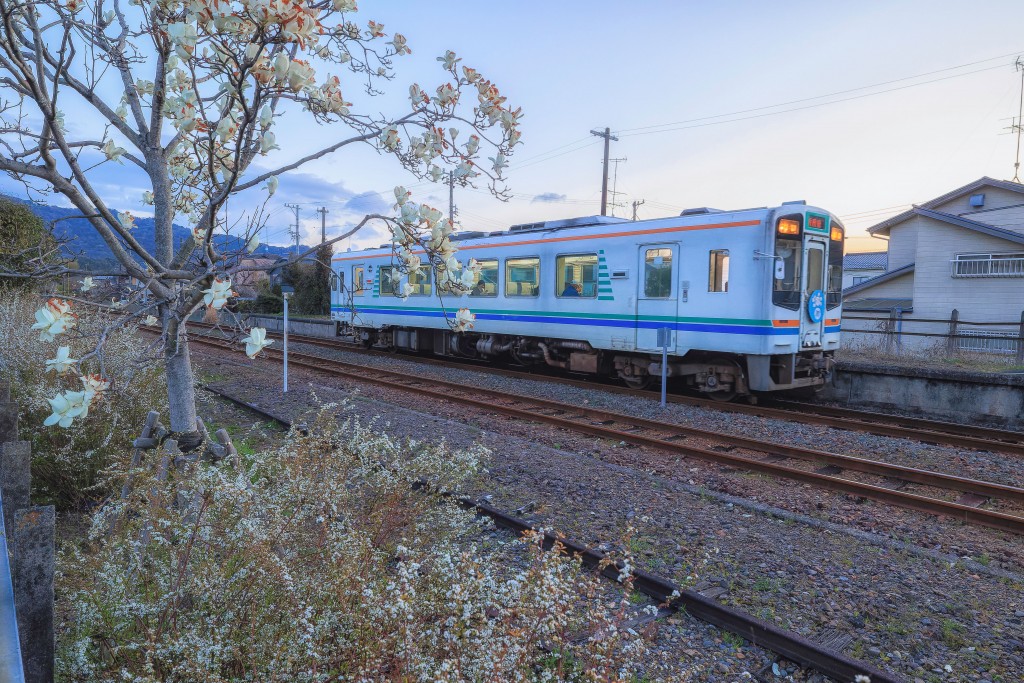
[(286, 292), (664, 339)]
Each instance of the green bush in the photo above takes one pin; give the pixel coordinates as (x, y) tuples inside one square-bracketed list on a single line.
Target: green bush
[(23, 237)]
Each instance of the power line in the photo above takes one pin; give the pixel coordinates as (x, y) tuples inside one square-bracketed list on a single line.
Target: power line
[(838, 92)]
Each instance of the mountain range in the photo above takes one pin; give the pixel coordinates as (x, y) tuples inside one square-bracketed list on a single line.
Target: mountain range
[(93, 251)]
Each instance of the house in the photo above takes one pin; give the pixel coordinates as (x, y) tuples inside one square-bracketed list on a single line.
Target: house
[(858, 268), (962, 251)]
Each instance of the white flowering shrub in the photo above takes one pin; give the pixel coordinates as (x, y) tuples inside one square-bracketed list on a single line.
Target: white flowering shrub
[(68, 462), (323, 561)]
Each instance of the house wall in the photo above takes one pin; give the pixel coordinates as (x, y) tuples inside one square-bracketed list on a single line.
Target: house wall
[(903, 243), (936, 292), (994, 197), (849, 275)]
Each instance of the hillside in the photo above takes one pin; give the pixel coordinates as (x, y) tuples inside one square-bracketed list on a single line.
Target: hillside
[(95, 254)]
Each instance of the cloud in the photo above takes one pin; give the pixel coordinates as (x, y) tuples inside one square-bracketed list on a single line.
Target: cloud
[(367, 202), (549, 197)]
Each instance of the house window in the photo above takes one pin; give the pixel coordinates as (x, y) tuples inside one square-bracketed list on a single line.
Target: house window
[(522, 277), (487, 281), (576, 275), (718, 271), (988, 265), (857, 279)]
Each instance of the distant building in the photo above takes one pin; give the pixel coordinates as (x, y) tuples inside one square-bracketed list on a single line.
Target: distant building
[(963, 250), (858, 268), (247, 282)]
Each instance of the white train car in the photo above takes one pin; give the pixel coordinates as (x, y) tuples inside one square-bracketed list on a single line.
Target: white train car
[(748, 300)]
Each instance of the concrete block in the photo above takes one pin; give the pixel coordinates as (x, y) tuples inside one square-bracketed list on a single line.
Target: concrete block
[(33, 565), (8, 420), (15, 478)]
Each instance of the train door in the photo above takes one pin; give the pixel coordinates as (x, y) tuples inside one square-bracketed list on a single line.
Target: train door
[(656, 297), (812, 317)]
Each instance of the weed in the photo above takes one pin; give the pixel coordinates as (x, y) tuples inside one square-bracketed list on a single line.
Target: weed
[(763, 584)]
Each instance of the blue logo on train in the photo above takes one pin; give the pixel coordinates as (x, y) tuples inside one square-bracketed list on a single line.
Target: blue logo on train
[(816, 306)]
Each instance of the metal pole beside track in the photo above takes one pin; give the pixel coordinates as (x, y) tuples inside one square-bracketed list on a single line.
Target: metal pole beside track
[(286, 291), (11, 670), (664, 337)]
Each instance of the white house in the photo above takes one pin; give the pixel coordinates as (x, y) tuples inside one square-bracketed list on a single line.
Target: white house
[(962, 251), (863, 266)]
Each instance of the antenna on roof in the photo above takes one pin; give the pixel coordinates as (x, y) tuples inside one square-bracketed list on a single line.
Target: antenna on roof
[(1016, 126)]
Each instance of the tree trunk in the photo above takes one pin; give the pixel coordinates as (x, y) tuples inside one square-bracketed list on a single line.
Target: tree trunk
[(181, 388)]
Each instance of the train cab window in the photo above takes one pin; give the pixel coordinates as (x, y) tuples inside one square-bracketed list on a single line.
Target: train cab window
[(334, 282), (789, 256), (522, 277), (389, 277), (358, 284), (834, 293), (419, 281), (487, 281), (658, 273), (341, 281), (576, 276), (718, 271)]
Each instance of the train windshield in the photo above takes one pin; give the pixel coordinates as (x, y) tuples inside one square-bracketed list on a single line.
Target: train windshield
[(789, 253), (834, 295)]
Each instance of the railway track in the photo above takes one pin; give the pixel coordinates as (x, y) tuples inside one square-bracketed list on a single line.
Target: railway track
[(786, 644), (817, 468), (918, 429)]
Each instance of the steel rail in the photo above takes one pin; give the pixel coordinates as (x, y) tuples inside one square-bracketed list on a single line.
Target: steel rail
[(965, 513), (787, 644), (11, 667), (920, 429)]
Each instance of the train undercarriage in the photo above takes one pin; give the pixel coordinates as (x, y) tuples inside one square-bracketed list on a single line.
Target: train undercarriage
[(720, 376)]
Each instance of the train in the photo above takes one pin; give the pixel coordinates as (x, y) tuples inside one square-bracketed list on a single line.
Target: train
[(738, 302)]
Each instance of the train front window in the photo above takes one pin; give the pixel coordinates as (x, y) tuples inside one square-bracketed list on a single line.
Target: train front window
[(487, 280), (576, 276), (522, 277), (658, 273), (789, 261), (834, 294)]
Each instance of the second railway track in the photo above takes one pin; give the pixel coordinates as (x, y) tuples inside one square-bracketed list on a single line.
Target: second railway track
[(918, 429), (787, 462)]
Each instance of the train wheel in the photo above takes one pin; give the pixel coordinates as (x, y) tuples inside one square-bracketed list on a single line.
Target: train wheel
[(725, 395), (637, 383)]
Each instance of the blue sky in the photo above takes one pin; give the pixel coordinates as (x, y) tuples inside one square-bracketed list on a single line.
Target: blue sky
[(576, 66)]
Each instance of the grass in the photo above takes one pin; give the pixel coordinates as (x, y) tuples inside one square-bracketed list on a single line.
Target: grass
[(951, 634), (733, 639), (763, 584)]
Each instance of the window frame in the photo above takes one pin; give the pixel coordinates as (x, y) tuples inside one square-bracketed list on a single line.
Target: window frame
[(427, 272), (391, 278), (497, 281), (558, 258), (671, 270), (537, 285), (714, 276), (361, 280)]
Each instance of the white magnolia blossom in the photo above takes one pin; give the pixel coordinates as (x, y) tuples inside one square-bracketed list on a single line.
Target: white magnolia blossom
[(112, 151), (87, 284), (448, 59), (499, 163), (464, 320), (151, 320), (66, 407), (94, 387), (147, 198), (54, 318), (126, 219), (256, 340), (271, 185), (63, 362), (218, 293), (253, 243)]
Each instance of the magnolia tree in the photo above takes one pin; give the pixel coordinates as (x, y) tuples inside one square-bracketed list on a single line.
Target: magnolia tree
[(186, 95)]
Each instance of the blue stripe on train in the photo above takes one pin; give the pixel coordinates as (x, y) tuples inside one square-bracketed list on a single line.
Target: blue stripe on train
[(646, 324)]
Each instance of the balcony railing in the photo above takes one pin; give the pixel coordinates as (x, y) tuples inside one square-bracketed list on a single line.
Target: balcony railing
[(987, 267)]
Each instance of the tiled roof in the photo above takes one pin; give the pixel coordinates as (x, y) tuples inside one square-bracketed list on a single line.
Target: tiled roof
[(867, 260), (883, 227), (879, 304)]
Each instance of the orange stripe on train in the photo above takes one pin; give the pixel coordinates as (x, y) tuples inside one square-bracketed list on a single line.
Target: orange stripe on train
[(629, 233), (785, 323)]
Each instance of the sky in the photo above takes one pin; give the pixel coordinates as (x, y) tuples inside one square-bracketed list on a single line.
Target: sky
[(860, 108)]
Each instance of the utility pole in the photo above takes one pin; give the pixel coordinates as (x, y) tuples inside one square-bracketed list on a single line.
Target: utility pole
[(295, 208), (323, 223), (637, 205), (451, 198), (1016, 127), (608, 137)]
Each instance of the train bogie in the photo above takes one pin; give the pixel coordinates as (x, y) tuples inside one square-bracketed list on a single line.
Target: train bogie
[(741, 302)]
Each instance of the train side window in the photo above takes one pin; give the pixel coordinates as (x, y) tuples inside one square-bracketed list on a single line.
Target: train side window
[(358, 286), (834, 296), (658, 273), (341, 281), (522, 277), (334, 281), (487, 281), (576, 275), (420, 282), (389, 277), (718, 270)]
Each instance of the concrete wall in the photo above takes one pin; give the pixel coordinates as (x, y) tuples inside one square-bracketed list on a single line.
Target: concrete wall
[(969, 398), (311, 327)]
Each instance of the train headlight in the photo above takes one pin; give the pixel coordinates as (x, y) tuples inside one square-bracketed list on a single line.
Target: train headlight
[(788, 226), (837, 234)]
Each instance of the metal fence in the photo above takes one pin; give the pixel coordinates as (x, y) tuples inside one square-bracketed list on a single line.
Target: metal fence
[(898, 332), (990, 266)]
